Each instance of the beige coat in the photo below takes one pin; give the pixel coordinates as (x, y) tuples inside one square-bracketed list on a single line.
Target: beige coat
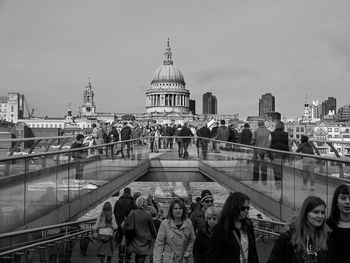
[(172, 244)]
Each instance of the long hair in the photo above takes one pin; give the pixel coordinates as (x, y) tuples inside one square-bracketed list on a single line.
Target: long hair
[(279, 125), (303, 230), (334, 215), (182, 205), (231, 210), (107, 213)]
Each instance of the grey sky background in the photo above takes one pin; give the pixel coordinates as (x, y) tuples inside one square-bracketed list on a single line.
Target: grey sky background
[(236, 49)]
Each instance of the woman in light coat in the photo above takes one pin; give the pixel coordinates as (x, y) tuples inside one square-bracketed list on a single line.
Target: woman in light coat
[(175, 237)]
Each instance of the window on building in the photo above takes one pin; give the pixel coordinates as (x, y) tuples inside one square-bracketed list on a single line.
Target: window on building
[(336, 136), (330, 136), (12, 108), (336, 129), (329, 129), (297, 136), (297, 129), (302, 129)]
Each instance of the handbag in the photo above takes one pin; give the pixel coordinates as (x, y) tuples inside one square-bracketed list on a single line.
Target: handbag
[(105, 234)]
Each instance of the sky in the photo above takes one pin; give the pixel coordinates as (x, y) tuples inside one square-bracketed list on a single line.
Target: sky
[(238, 50)]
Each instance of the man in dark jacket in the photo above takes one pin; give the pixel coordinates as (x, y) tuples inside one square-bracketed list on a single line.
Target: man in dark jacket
[(170, 133), (125, 134), (198, 215), (205, 133), (246, 136), (121, 210), (214, 131), (185, 132), (78, 156), (113, 136), (308, 162)]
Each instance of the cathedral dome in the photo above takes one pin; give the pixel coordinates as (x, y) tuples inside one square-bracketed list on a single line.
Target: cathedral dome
[(168, 73)]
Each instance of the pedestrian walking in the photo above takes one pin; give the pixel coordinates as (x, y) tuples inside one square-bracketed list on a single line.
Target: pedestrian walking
[(175, 237), (105, 226)]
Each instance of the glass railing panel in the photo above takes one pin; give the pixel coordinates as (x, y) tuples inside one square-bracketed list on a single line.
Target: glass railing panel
[(41, 189), (12, 196)]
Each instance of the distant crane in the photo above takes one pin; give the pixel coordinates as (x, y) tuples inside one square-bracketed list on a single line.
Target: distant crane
[(30, 112)]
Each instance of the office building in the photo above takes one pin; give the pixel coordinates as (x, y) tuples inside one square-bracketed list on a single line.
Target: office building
[(210, 105), (266, 104)]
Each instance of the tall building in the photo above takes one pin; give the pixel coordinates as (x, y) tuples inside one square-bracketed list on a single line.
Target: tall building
[(329, 106), (210, 104), (315, 109), (12, 107), (266, 104), (193, 107), (168, 93), (344, 112)]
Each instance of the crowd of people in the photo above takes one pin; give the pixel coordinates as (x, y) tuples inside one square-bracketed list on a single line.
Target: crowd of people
[(162, 137), (209, 234)]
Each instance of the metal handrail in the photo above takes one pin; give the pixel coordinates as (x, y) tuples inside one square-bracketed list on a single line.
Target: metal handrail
[(324, 158), (43, 228), (42, 243), (37, 138)]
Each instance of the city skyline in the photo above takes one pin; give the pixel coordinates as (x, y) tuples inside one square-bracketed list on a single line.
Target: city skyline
[(237, 50)]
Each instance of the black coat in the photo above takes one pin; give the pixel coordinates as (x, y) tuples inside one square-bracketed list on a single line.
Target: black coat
[(223, 252), (202, 245), (279, 140), (123, 207), (284, 252)]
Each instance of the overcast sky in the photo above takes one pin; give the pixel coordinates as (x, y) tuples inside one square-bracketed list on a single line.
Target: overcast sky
[(236, 49)]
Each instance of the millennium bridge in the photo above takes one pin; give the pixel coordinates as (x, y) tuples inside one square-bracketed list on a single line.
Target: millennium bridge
[(41, 196)]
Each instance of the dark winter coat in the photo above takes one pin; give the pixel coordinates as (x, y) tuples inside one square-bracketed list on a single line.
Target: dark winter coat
[(125, 133), (204, 132), (144, 232), (246, 136), (279, 140), (202, 245), (305, 147), (198, 219), (186, 132), (229, 251), (284, 252), (123, 207)]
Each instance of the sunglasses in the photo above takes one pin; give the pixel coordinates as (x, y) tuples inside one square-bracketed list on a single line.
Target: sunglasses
[(245, 208), (208, 201)]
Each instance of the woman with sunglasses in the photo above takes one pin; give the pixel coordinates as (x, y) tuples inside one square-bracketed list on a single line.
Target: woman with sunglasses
[(233, 237), (308, 239), (339, 222)]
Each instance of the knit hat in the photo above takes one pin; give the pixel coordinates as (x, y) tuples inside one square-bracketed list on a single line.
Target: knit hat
[(206, 194)]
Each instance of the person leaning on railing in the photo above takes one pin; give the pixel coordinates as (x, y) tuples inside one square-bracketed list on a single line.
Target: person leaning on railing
[(78, 156), (279, 141), (308, 162)]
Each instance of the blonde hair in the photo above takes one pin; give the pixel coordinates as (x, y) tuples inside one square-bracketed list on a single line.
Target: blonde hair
[(141, 201), (212, 211)]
